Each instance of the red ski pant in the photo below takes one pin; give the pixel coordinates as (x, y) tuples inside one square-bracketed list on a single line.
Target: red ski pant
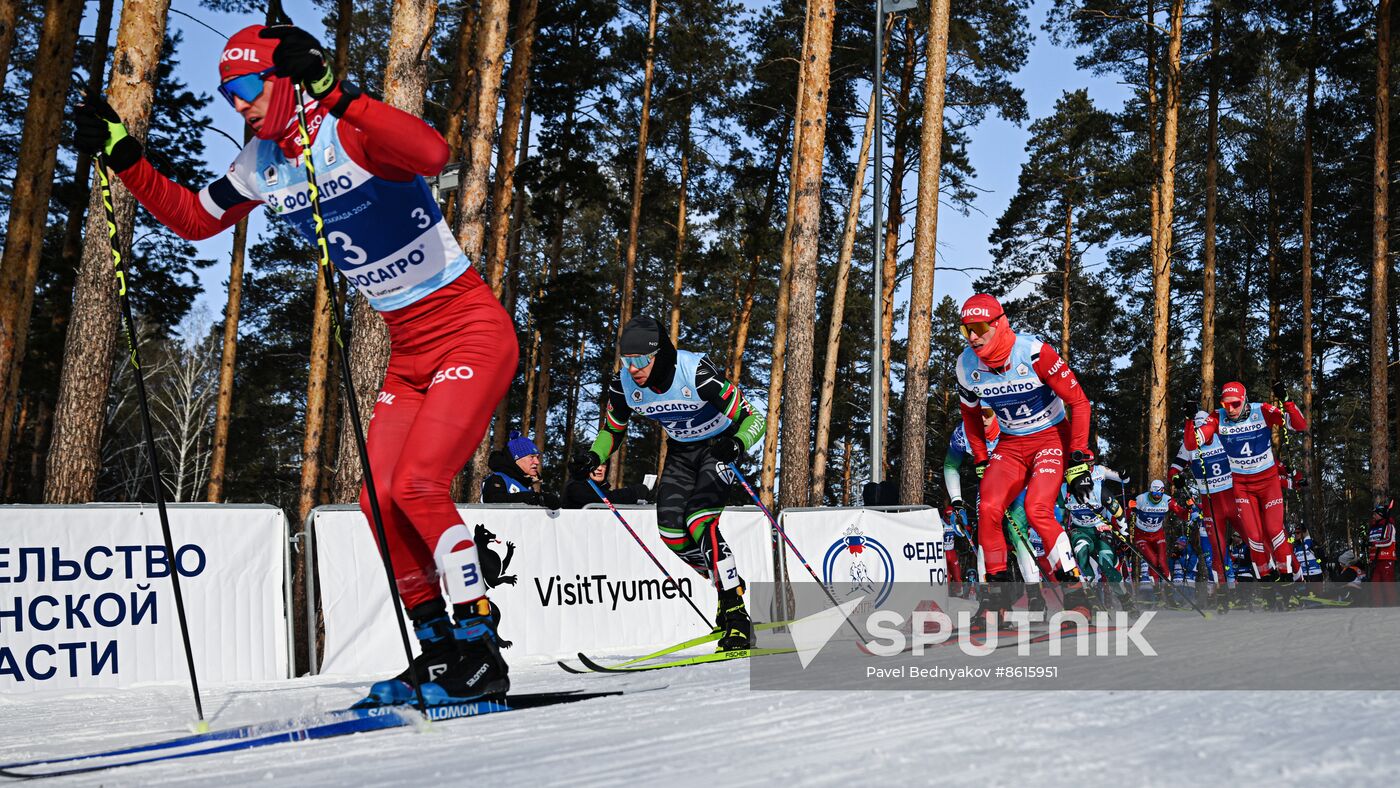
[(1259, 497), (1153, 546), (1382, 583), (954, 568), (452, 357), (1034, 463), (1221, 514)]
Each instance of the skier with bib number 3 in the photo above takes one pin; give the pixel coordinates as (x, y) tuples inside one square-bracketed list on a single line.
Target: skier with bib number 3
[(452, 346), (708, 425), (1026, 383)]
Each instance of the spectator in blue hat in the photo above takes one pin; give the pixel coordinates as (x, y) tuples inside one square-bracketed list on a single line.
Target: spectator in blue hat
[(515, 475)]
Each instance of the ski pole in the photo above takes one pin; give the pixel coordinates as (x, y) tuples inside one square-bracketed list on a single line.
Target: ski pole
[(129, 326), (1165, 578), (276, 16), (779, 529), (647, 550)]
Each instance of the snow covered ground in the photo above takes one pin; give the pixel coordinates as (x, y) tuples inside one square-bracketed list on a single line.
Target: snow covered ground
[(708, 728)]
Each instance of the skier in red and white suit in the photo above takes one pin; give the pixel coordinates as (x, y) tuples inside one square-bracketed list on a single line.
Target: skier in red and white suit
[(1028, 386), (1246, 430), (453, 347)]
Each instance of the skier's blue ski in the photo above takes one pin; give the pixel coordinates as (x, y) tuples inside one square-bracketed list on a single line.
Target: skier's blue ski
[(324, 726)]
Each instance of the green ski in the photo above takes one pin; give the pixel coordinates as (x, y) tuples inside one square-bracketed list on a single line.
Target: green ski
[(692, 643), (718, 656)]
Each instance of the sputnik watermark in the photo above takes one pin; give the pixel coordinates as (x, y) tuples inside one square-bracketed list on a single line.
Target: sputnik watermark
[(1109, 634)]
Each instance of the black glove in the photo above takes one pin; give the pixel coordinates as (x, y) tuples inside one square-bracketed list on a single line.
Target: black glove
[(726, 450), (958, 505), (1178, 483), (100, 132), (584, 462), (1280, 392), (982, 468), (301, 58), (1080, 476), (550, 500)]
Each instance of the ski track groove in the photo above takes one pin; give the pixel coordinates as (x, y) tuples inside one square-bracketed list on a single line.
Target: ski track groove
[(708, 728)]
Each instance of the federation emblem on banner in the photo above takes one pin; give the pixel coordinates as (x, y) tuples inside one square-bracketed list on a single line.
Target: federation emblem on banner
[(858, 565)]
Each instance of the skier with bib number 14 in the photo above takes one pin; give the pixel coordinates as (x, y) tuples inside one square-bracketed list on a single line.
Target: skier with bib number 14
[(1029, 387)]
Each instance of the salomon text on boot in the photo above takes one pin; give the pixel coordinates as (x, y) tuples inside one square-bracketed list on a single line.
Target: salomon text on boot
[(479, 671)]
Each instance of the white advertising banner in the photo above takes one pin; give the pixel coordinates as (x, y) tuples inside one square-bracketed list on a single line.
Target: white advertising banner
[(86, 598), (571, 581), (864, 552)]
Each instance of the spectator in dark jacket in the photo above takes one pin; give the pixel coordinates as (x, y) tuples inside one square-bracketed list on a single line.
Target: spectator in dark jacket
[(515, 475), (578, 494)]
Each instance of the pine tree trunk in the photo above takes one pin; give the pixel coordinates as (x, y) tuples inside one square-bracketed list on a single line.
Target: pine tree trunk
[(481, 128), (1161, 258), (638, 176), (77, 207), (1314, 492), (1066, 268), (894, 219), (511, 290), (29, 206), (838, 309), (1380, 262), (9, 18), (911, 482), (740, 334), (847, 462), (459, 88), (74, 458), (1208, 248), (517, 82), (223, 409), (678, 273), (344, 22), (545, 360), (802, 299), (616, 466), (777, 368), (1272, 252), (490, 42), (315, 412)]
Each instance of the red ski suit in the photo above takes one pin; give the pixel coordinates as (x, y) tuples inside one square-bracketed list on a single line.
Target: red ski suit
[(1033, 462), (1258, 493), (453, 350)]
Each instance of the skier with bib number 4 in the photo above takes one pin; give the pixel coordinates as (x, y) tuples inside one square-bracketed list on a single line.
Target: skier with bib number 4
[(452, 346), (1246, 431), (708, 425), (1028, 386)]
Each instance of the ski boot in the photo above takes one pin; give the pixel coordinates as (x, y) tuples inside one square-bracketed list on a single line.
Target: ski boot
[(996, 595), (437, 651), (1077, 599), (479, 672), (1125, 601), (732, 620), (1035, 599)]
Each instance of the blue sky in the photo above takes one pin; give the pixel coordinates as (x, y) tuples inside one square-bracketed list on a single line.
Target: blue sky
[(997, 149)]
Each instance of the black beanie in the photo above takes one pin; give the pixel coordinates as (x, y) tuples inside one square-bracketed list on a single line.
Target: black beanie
[(641, 336)]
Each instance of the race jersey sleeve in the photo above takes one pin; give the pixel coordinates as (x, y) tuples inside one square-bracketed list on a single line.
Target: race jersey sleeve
[(712, 387), (952, 476), (1207, 431), (1181, 463), (1056, 374), (1177, 509), (970, 405), (1290, 416), (192, 215), (615, 418), (389, 142), (1110, 475)]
